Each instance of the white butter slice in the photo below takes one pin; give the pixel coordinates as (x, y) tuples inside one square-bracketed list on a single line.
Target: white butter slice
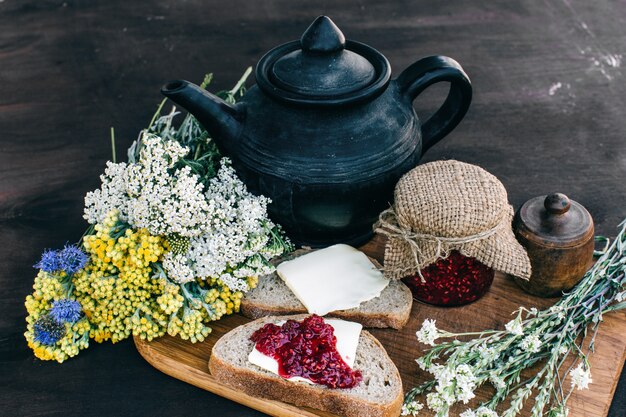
[(347, 334), (335, 278)]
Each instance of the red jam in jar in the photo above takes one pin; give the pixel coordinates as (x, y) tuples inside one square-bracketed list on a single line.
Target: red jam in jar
[(307, 349), (453, 281)]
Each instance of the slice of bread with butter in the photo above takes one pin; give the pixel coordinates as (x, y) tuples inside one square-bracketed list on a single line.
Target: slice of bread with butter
[(331, 281)]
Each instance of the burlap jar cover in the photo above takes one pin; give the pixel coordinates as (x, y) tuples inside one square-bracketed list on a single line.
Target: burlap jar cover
[(450, 205)]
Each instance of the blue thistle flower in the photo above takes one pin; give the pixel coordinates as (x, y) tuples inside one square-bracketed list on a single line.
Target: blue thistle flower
[(49, 261), (72, 259), (48, 331), (66, 311)]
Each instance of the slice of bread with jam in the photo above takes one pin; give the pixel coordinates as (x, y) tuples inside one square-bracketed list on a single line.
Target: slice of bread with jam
[(378, 394)]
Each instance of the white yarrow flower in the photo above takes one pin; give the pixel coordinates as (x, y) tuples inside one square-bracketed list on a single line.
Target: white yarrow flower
[(561, 411), (559, 311), (412, 408), (445, 377), (428, 333), (165, 200), (465, 383), (480, 412), (487, 354), (237, 233), (436, 402), (110, 196), (227, 225), (515, 327), (233, 283), (178, 268), (464, 371), (421, 362), (581, 377), (531, 343), (464, 395), (497, 382), (485, 412), (150, 193)]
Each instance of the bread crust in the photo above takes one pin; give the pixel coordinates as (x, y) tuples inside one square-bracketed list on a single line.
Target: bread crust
[(272, 387), (255, 309)]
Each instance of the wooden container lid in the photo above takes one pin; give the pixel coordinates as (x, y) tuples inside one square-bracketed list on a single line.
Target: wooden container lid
[(554, 221)]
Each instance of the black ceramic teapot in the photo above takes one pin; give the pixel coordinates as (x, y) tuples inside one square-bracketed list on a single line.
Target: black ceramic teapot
[(326, 133)]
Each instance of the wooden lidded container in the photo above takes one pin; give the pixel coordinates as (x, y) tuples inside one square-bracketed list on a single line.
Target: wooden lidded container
[(558, 235)]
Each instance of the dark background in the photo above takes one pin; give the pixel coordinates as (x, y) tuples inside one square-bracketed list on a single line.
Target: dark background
[(549, 114)]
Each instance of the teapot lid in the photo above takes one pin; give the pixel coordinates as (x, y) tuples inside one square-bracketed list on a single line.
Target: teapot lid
[(322, 68), (555, 220)]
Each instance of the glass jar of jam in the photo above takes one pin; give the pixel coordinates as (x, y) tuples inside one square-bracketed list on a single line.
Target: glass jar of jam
[(453, 281)]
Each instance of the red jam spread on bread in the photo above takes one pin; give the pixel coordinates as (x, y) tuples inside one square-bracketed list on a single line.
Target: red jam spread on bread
[(306, 349)]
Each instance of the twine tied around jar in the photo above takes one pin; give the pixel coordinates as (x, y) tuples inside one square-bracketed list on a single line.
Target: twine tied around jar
[(387, 225), (450, 205)]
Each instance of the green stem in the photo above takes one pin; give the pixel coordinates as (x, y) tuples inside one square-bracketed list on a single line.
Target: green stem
[(241, 81), (114, 157), (157, 113), (486, 332), (70, 288), (606, 241), (615, 307), (197, 154), (87, 232)]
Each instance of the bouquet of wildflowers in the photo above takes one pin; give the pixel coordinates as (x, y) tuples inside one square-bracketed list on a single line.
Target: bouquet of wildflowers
[(175, 239), (532, 338)]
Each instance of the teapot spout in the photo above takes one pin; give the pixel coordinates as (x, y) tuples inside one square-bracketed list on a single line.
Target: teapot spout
[(220, 119)]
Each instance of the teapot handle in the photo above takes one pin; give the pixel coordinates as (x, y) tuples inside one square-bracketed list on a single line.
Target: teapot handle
[(427, 71)]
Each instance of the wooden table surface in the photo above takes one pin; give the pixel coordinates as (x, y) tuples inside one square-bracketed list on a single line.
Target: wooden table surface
[(549, 114)]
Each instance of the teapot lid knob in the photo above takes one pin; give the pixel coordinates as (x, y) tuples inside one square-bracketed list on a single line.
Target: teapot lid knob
[(323, 68), (323, 36)]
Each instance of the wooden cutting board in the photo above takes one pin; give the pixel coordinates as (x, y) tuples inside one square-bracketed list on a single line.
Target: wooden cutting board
[(189, 362)]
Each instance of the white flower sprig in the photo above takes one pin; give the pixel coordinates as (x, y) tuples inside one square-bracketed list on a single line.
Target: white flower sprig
[(480, 412), (498, 357), (151, 193), (581, 377), (412, 408), (428, 333), (176, 185)]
